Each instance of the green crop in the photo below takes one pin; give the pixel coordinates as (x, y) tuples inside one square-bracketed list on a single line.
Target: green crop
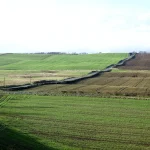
[(58, 62), (75, 123)]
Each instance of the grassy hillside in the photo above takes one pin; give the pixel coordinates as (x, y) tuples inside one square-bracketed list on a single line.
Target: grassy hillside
[(75, 122), (14, 140), (58, 62)]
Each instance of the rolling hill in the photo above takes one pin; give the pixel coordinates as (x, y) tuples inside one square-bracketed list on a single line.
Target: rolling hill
[(58, 62)]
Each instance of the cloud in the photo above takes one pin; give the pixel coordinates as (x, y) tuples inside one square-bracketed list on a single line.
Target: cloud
[(144, 16), (54, 26)]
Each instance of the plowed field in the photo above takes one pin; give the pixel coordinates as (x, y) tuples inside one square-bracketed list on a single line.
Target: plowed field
[(141, 62), (111, 83)]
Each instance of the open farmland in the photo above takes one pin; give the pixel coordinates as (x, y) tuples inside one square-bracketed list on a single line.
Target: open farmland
[(74, 123), (19, 77), (141, 62), (58, 62), (130, 83), (117, 83), (17, 69)]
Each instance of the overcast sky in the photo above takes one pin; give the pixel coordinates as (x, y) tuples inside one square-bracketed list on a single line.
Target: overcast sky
[(74, 25)]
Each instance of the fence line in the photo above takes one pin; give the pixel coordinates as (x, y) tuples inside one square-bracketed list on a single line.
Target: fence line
[(68, 80)]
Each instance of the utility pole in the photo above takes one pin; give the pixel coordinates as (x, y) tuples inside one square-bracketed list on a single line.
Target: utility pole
[(57, 86), (30, 79), (4, 82)]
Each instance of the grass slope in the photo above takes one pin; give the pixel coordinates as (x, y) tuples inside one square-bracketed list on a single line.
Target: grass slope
[(14, 140), (58, 62), (79, 122)]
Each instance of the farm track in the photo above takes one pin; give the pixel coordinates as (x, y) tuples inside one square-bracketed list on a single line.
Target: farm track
[(3, 101)]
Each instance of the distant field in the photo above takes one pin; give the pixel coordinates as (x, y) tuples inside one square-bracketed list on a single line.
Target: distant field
[(141, 62), (74, 123), (44, 62), (130, 83), (26, 68)]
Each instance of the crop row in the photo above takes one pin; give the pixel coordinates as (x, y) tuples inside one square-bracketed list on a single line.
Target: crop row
[(130, 84), (80, 122)]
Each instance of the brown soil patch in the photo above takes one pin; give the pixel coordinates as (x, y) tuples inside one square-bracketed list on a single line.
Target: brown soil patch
[(113, 83), (141, 62)]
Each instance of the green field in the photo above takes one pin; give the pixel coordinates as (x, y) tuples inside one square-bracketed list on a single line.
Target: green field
[(20, 69), (32, 122), (47, 122), (58, 62)]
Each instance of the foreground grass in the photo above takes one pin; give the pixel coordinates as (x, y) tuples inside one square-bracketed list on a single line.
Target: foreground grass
[(14, 140), (58, 62), (78, 122)]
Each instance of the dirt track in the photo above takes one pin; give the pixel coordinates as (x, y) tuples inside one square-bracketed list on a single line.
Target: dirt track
[(141, 62)]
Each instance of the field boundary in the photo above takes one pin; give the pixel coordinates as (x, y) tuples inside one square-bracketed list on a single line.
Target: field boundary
[(78, 94), (68, 80)]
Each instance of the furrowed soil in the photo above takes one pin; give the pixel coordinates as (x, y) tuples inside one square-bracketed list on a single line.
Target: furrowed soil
[(141, 62), (110, 83)]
